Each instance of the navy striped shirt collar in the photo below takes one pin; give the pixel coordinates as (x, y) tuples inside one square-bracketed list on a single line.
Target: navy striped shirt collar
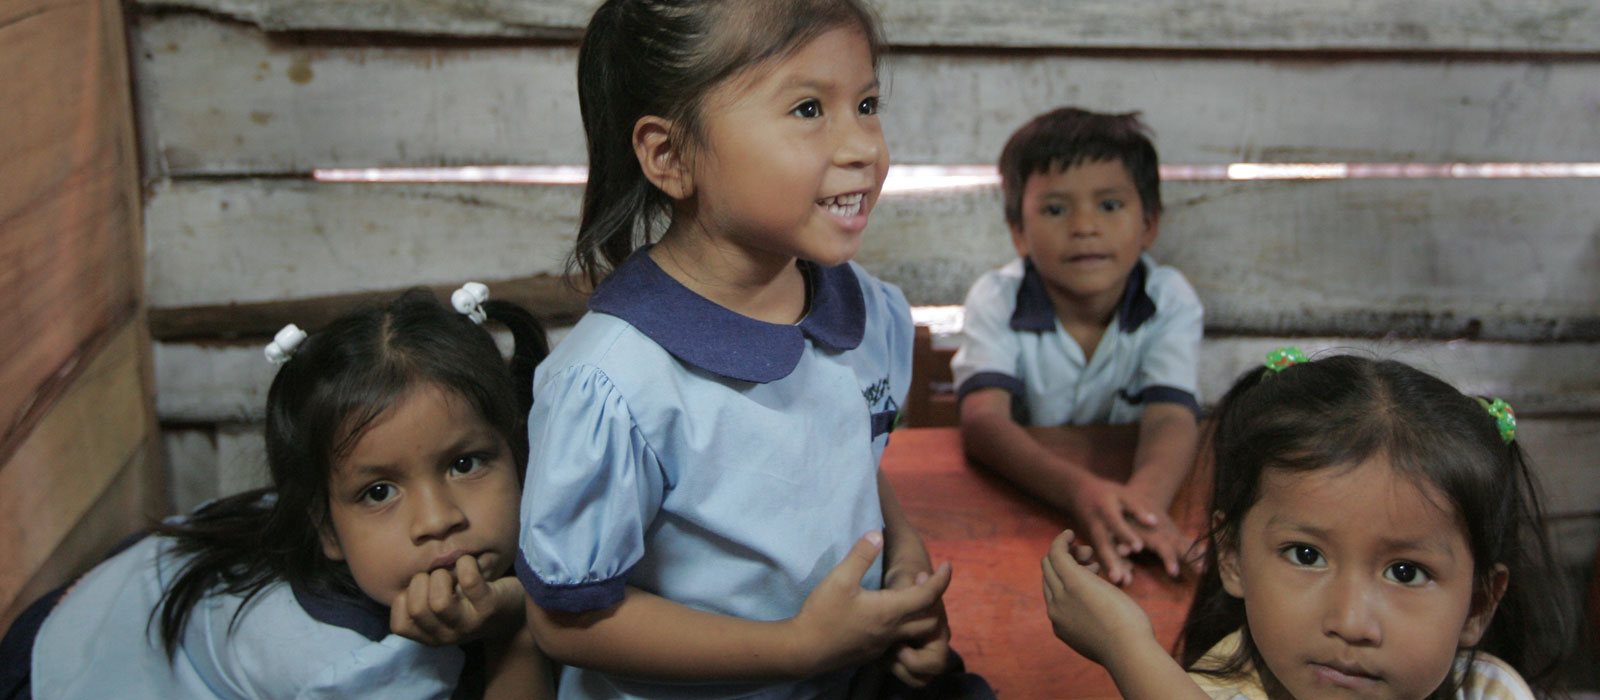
[(709, 337), (1035, 312)]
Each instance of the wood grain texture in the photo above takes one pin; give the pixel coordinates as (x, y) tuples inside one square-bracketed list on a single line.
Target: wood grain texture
[(224, 99), (81, 446), (124, 507), (1475, 259), (1526, 25), (70, 252)]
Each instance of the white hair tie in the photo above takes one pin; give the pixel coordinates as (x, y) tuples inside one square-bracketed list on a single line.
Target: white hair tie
[(284, 343), (469, 300)]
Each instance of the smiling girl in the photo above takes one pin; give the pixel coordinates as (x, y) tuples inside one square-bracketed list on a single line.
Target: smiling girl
[(1375, 535), (705, 512)]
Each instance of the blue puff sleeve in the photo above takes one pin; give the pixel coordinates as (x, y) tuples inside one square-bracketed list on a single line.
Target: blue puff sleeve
[(593, 486)]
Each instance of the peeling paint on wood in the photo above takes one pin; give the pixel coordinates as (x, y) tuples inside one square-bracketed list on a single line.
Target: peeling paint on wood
[(1441, 25), (227, 382), (228, 102), (1477, 259)]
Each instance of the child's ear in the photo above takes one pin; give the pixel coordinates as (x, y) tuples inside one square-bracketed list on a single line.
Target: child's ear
[(1018, 240), (661, 157), (330, 544), (1484, 601), (1152, 227), (1227, 560)]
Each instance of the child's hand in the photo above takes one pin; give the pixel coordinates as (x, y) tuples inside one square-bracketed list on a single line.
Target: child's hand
[(1092, 616), (917, 661), (1116, 520), (842, 624), (445, 607)]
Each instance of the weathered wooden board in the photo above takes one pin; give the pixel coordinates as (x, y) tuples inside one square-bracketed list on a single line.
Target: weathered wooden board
[(125, 506), (1525, 25), (1490, 259), (218, 382), (79, 447), (69, 245), (227, 99), (210, 461)]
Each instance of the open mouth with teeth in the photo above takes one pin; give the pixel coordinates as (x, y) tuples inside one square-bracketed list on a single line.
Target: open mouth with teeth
[(842, 205)]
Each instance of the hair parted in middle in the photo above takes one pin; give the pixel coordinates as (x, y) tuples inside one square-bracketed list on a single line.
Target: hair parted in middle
[(661, 58), (1336, 413), (1069, 136), (337, 381)]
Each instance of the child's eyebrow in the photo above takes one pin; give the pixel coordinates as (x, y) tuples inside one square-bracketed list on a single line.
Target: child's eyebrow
[(819, 84)]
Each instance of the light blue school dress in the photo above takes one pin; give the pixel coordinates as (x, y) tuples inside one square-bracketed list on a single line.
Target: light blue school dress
[(1011, 339), (718, 461), (100, 642)]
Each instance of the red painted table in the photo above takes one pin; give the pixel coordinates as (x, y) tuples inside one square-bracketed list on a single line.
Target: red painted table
[(994, 537)]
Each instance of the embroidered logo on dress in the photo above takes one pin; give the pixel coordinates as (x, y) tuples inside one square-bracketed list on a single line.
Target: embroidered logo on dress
[(882, 407)]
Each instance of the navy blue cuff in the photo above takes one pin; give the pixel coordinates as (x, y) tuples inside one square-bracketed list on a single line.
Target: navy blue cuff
[(573, 598), (984, 380), (1165, 394)]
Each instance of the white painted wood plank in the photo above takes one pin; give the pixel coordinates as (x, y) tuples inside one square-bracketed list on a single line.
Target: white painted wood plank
[(267, 240), (1492, 259), (227, 382), (1526, 25), (227, 99)]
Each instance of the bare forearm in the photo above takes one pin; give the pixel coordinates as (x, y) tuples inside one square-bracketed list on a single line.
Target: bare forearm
[(1167, 438), (904, 554), (1008, 450), (1150, 674), (518, 670), (651, 637)]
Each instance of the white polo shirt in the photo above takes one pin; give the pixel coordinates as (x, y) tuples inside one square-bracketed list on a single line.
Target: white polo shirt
[(1011, 339), (715, 460)]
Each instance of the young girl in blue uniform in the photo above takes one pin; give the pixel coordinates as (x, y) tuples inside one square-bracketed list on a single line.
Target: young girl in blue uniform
[(1375, 534), (704, 510), (394, 438)]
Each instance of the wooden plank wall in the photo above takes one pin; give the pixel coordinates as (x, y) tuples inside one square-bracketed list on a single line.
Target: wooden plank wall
[(78, 467), (1490, 282)]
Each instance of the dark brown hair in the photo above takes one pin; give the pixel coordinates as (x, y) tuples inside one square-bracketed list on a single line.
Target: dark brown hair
[(338, 381), (1068, 136), (1338, 412), (661, 58)]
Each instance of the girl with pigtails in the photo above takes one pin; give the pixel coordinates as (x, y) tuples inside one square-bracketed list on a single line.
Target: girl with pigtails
[(1375, 533), (375, 565)]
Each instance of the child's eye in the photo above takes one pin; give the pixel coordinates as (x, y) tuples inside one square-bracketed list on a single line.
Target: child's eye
[(1111, 205), (467, 464), (810, 109), (376, 493), (1053, 210), (1407, 573), (868, 106), (1302, 555)]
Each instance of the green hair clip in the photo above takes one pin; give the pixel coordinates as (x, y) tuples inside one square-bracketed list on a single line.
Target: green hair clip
[(1504, 418), (1287, 355)]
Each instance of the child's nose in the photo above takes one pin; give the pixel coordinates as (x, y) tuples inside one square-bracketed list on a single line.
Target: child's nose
[(435, 514), (1352, 612), (859, 146), (1082, 221)]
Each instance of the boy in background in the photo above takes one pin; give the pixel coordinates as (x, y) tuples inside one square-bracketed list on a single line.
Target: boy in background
[(1084, 328)]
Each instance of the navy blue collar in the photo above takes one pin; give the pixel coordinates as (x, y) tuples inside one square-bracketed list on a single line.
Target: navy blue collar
[(352, 612), (709, 337), (1036, 313)]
